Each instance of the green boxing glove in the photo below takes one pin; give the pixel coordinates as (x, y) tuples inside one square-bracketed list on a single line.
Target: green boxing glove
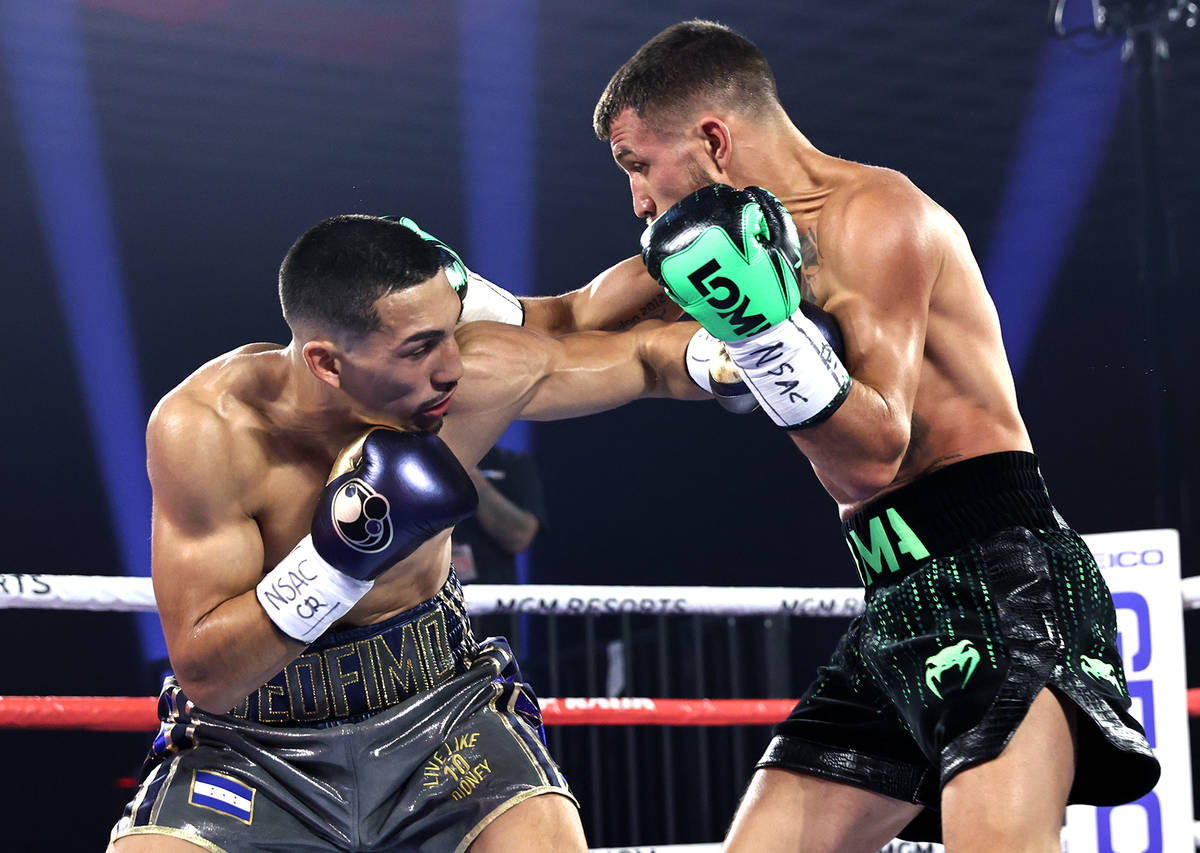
[(481, 299), (730, 259)]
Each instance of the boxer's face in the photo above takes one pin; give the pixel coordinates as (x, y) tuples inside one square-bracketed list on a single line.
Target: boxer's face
[(409, 368), (662, 167)]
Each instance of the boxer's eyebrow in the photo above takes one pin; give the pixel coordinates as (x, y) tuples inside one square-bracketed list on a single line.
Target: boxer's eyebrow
[(426, 335), (435, 336)]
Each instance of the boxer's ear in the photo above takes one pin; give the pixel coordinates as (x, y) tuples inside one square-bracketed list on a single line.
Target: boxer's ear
[(718, 142), (324, 361)]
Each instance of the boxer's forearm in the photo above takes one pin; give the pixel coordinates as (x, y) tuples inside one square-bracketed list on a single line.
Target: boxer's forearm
[(663, 351), (230, 653), (618, 298), (857, 452)]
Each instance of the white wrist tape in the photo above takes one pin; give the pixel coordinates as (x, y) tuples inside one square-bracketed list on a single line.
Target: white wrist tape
[(304, 595), (486, 301), (792, 371), (701, 351)]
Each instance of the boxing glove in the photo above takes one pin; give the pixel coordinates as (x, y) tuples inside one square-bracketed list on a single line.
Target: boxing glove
[(481, 299), (711, 368), (730, 258), (389, 492)]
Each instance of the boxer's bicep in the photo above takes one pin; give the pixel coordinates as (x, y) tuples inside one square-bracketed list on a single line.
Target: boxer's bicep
[(196, 573), (884, 272), (511, 373), (205, 548), (877, 275)]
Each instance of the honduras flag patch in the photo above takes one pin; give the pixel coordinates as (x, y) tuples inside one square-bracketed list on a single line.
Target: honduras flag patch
[(222, 794)]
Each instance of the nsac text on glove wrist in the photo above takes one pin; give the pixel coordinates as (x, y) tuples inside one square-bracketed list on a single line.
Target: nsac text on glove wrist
[(304, 594), (793, 372)]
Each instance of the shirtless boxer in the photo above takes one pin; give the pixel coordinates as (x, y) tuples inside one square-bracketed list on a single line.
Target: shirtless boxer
[(329, 695), (983, 680)]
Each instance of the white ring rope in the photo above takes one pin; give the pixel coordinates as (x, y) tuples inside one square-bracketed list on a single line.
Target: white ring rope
[(118, 593), (76, 592), (111, 592)]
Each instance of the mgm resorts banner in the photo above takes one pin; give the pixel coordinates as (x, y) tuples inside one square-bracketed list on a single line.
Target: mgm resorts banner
[(1142, 569)]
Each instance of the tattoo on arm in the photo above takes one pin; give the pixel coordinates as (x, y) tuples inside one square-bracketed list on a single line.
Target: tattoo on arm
[(811, 254), (655, 309)]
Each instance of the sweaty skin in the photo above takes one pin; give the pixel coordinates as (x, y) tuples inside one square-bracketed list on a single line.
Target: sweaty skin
[(617, 299), (931, 380), (238, 454), (898, 273)]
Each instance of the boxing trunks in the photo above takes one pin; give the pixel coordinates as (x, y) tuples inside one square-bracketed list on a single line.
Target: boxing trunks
[(400, 736), (978, 595)]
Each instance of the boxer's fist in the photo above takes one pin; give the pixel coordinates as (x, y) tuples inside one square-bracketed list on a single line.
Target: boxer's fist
[(711, 368), (481, 299), (456, 270), (730, 258), (727, 257), (389, 492)]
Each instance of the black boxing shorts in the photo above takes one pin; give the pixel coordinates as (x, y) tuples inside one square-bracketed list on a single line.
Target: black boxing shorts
[(977, 596), (400, 736)]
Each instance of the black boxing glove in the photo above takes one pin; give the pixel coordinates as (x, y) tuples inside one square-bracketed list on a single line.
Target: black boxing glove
[(388, 494)]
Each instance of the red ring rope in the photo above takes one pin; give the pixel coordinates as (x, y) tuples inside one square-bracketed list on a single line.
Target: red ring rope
[(138, 713)]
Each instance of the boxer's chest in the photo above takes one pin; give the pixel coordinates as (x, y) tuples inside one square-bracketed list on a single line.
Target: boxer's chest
[(285, 509)]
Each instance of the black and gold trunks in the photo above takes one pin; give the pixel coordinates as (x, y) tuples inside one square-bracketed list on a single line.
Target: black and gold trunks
[(349, 675), (400, 737)]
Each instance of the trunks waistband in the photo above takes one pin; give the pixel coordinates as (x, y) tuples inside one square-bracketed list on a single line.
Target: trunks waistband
[(940, 512), (349, 675)]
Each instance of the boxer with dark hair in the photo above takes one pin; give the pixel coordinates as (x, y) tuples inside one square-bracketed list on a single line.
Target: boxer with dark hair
[(328, 693), (982, 687)]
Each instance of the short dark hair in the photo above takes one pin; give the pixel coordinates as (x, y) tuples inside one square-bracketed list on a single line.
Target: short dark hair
[(686, 60), (339, 268)]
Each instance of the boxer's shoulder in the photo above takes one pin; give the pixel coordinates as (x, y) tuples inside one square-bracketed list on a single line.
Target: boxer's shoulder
[(216, 418), (230, 388), (875, 230), (867, 198)]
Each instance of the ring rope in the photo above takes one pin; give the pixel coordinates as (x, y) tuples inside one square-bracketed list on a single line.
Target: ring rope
[(126, 594), (139, 713)]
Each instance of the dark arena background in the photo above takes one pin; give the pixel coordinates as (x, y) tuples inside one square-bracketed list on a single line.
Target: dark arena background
[(158, 157)]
